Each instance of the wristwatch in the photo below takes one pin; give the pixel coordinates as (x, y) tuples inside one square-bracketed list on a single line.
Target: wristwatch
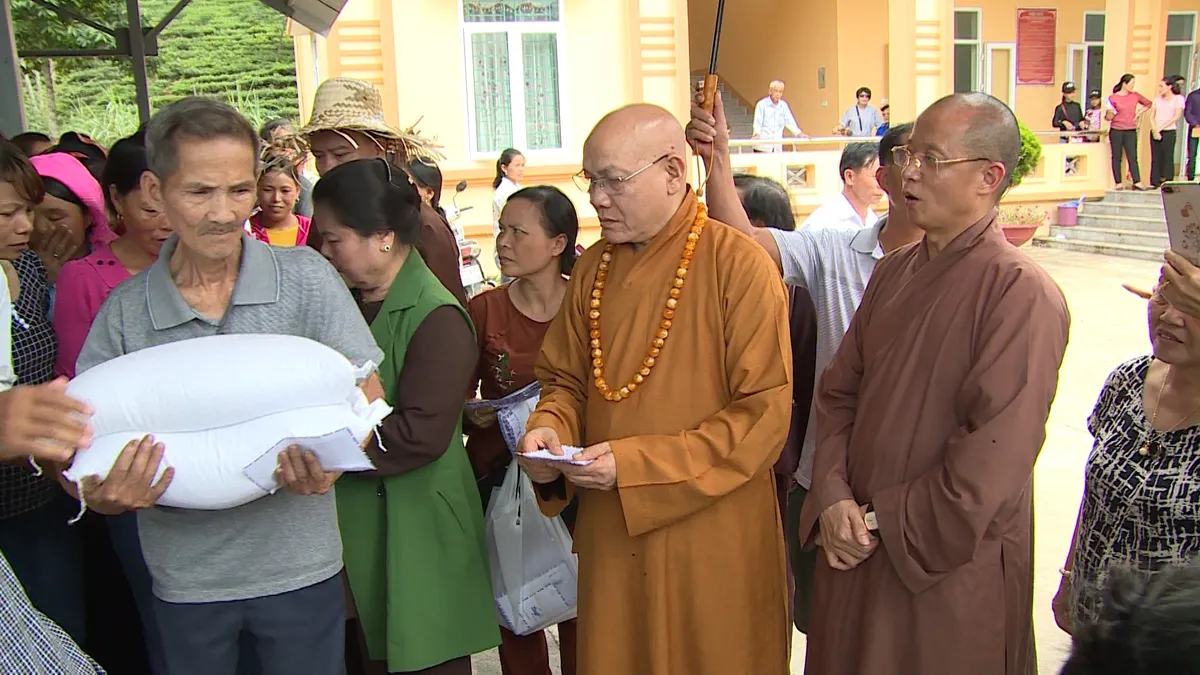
[(870, 519)]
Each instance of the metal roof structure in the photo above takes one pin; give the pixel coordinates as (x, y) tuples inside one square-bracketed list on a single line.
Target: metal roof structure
[(316, 15)]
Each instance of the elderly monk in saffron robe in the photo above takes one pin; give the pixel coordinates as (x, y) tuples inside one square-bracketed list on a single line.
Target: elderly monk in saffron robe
[(929, 421), (670, 363)]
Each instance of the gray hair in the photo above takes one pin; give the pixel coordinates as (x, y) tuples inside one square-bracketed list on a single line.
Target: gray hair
[(194, 118), (857, 156)]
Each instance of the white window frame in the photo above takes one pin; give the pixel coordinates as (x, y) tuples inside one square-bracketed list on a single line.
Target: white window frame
[(1080, 50), (1181, 43), (989, 54), (977, 62), (1083, 29), (516, 75)]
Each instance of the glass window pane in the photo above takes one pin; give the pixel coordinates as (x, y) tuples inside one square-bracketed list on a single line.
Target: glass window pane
[(1176, 60), (1095, 68), (1181, 27), (543, 126), (1093, 28), (490, 11), (493, 91), (966, 25), (965, 58)]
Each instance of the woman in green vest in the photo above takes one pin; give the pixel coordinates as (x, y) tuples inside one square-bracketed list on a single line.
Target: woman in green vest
[(412, 531)]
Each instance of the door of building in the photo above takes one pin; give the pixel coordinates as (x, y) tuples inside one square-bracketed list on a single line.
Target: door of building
[(1000, 71)]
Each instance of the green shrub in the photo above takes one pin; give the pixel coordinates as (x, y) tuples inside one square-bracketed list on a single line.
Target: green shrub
[(1031, 154)]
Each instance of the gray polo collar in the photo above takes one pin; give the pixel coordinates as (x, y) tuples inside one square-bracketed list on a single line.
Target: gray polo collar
[(867, 240), (257, 283)]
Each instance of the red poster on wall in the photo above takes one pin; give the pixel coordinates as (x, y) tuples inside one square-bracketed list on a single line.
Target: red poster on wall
[(1035, 45)]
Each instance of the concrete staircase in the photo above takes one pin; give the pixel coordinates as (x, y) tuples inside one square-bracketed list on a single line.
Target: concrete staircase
[(740, 118), (1124, 224)]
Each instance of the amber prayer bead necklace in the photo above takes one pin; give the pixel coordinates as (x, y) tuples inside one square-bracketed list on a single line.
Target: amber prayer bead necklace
[(664, 326)]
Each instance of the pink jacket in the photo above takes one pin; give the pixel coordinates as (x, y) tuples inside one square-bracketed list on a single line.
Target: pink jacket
[(259, 231), (81, 288)]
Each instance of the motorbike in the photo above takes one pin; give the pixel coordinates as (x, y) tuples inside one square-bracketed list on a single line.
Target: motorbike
[(470, 268)]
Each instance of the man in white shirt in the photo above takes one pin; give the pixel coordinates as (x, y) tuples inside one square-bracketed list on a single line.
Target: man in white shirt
[(772, 117), (860, 191), (833, 263)]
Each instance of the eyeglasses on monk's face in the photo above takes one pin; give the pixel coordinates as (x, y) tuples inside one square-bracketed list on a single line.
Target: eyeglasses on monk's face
[(611, 185), (926, 163)]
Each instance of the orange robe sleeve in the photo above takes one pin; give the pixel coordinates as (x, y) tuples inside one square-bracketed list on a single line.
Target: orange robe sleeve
[(934, 524), (562, 368), (664, 478)]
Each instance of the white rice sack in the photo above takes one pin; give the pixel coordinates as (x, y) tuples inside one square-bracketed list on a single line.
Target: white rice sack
[(217, 404)]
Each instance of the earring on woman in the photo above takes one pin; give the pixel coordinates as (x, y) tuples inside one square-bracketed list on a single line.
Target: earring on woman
[(387, 247)]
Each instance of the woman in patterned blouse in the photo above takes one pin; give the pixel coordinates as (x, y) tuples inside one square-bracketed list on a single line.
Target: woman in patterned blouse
[(44, 552), (1141, 497)]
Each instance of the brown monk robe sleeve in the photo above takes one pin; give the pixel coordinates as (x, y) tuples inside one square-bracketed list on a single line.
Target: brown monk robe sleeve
[(664, 478), (429, 395), (563, 367), (933, 524), (837, 406), (439, 249)]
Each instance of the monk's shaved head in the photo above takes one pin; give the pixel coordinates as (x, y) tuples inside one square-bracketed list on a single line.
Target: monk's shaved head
[(636, 160), (640, 131), (991, 129), (959, 162)]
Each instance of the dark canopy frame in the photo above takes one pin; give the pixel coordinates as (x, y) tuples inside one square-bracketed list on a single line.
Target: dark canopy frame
[(316, 15)]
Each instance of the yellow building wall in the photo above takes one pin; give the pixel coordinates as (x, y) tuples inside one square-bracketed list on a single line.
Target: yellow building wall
[(764, 40), (1035, 104), (614, 52)]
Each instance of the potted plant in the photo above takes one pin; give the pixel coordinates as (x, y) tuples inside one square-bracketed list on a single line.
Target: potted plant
[(1020, 223)]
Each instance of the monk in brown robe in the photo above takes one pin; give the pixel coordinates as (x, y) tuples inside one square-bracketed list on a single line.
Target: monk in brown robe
[(929, 421), (670, 362)]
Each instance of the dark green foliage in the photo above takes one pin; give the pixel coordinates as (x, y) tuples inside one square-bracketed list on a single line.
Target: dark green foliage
[(235, 50), (1031, 154)]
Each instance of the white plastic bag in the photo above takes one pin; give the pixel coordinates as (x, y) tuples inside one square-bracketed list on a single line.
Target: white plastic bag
[(534, 572)]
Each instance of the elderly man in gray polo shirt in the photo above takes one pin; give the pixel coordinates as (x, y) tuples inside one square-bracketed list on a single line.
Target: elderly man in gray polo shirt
[(268, 569)]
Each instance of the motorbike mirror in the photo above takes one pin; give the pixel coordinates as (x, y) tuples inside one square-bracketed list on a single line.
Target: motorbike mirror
[(461, 187)]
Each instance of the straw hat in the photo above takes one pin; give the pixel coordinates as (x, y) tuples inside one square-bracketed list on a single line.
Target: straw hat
[(344, 104)]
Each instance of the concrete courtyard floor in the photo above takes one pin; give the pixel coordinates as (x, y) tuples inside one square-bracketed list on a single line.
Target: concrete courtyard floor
[(1108, 326)]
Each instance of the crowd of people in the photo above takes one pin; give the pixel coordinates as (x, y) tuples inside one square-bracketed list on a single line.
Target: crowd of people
[(1121, 115), (765, 433)]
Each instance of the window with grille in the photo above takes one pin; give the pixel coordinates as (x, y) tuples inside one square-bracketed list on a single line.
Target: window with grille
[(514, 57)]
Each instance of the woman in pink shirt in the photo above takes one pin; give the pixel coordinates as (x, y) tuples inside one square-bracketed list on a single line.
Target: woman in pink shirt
[(276, 222), (1167, 109), (83, 284), (1126, 106)]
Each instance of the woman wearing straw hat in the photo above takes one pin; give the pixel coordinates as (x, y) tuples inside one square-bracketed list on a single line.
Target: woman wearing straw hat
[(347, 123)]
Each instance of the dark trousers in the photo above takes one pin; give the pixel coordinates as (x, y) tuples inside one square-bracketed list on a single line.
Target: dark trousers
[(804, 563), (1162, 158), (123, 534), (1192, 143), (1124, 140), (303, 631), (46, 554)]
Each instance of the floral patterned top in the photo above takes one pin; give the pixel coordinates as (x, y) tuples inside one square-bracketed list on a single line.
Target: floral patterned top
[(509, 343), (1139, 510)]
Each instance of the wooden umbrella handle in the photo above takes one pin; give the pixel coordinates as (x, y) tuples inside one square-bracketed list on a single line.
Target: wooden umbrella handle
[(710, 92)]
